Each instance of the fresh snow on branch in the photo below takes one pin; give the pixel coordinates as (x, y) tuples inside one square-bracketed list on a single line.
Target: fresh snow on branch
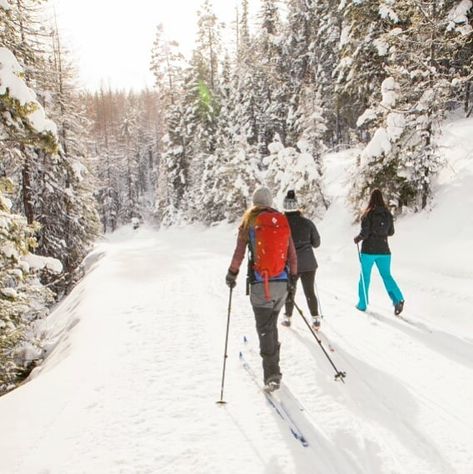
[(37, 262), (12, 84), (388, 89), (387, 12), (458, 18), (378, 145)]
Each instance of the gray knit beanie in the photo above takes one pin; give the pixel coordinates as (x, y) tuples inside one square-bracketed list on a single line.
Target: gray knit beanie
[(262, 197)]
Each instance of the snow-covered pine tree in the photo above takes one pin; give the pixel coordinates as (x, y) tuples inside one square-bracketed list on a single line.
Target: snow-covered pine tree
[(99, 109), (401, 156), (227, 191), (460, 20), (65, 205), (23, 300), (202, 95), (272, 90), (305, 120), (291, 168), (173, 180), (243, 98), (191, 139), (26, 40), (296, 53), (149, 132), (166, 66), (363, 56), (7, 30), (128, 166), (323, 58)]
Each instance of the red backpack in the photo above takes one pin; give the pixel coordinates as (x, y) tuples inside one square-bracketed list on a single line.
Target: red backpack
[(272, 233)]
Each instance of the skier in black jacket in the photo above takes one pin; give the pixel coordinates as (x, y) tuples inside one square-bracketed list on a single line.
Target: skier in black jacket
[(305, 237), (376, 226)]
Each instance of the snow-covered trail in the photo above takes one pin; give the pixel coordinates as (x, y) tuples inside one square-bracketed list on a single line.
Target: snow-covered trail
[(132, 383), (136, 357)]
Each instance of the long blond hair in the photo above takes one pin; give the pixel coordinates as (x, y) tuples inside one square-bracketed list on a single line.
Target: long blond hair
[(249, 217)]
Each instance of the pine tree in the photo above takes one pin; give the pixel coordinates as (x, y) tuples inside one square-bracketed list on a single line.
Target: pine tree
[(270, 78), (401, 156), (295, 153), (323, 59), (23, 301), (363, 57), (166, 66), (190, 143), (65, 206), (22, 297)]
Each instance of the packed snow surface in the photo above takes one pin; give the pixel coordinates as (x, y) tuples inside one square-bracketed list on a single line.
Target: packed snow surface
[(136, 355)]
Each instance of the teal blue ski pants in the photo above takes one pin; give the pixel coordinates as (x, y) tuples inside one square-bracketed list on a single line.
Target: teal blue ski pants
[(383, 262)]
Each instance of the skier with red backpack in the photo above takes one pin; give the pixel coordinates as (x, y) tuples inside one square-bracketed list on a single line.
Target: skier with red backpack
[(272, 270)]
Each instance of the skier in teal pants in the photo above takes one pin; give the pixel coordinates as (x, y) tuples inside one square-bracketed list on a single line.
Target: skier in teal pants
[(377, 225)]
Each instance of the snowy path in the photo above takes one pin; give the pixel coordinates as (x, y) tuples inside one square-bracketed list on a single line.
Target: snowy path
[(135, 370), (131, 387)]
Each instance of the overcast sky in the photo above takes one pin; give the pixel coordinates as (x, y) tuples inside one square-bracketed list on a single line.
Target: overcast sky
[(111, 39)]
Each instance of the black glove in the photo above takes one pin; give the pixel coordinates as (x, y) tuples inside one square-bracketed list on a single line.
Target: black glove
[(291, 284), (357, 239), (230, 279)]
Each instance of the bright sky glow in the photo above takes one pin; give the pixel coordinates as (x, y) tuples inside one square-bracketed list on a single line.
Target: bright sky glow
[(111, 39)]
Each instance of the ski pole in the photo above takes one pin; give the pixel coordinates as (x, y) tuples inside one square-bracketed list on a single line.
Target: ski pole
[(362, 276), (225, 356), (339, 375)]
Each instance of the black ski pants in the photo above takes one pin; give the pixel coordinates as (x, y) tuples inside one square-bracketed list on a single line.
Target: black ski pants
[(267, 329), (307, 280), (266, 318)]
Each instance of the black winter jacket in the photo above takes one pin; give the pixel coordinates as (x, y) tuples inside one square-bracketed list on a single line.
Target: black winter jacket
[(305, 236), (372, 243)]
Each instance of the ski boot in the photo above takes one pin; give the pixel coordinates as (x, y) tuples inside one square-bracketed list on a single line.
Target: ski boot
[(398, 307), (286, 321), (272, 383), (316, 323)]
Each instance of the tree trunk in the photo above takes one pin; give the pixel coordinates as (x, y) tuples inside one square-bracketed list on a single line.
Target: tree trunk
[(26, 191), (467, 99)]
